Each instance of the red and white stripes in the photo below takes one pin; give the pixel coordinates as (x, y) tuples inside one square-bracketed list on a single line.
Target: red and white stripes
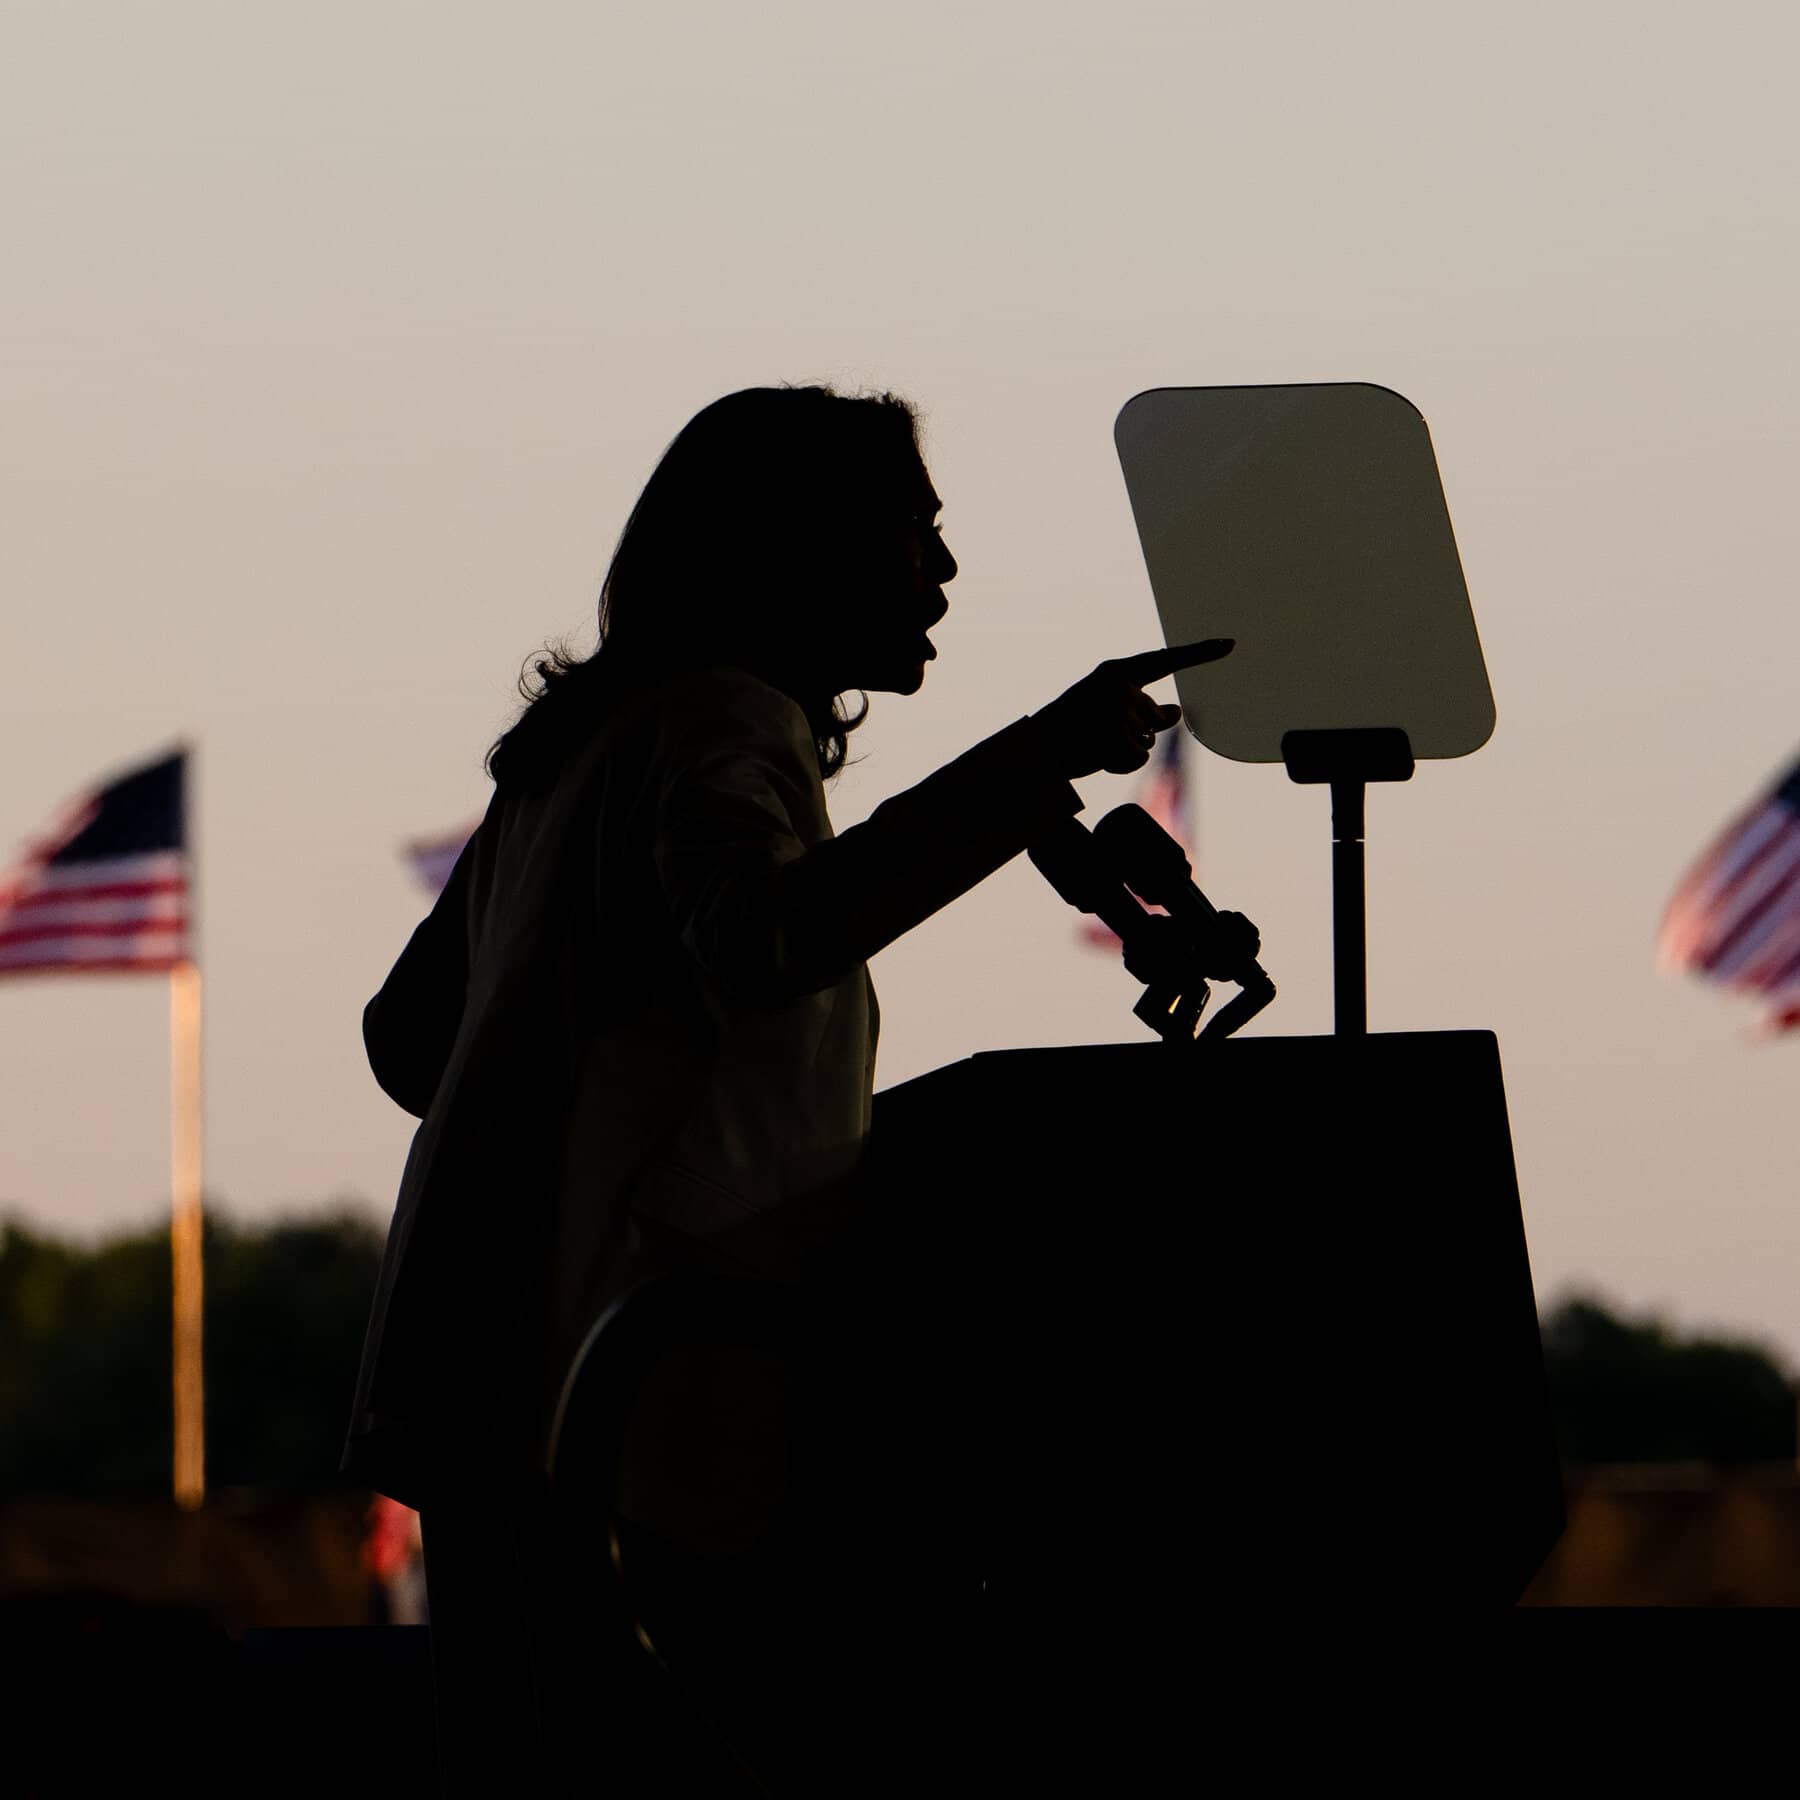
[(1735, 917), (112, 913)]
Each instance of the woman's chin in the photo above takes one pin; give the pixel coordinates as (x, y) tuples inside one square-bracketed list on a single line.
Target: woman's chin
[(902, 678)]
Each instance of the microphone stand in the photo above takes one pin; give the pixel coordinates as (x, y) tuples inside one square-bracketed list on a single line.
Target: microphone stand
[(1151, 864), (1172, 956)]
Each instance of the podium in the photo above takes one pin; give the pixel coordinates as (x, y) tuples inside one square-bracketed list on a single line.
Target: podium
[(1285, 1300)]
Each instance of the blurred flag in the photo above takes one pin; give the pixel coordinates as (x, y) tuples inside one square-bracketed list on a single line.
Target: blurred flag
[(1735, 917), (106, 888), (394, 1558), (1162, 793), (431, 859)]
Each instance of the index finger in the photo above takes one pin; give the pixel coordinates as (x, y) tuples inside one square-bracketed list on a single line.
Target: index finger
[(1151, 665)]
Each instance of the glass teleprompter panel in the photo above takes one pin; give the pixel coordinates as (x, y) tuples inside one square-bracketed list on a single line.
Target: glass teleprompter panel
[(1309, 523)]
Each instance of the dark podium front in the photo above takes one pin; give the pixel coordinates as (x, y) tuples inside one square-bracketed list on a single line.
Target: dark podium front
[(1286, 1304)]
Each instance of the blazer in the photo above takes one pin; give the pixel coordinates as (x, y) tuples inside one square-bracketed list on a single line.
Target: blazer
[(638, 1031)]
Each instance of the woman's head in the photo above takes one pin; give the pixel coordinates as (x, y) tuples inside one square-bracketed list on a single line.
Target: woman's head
[(789, 531), (776, 524)]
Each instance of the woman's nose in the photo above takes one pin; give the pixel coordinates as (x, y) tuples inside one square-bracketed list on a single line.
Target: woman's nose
[(940, 564)]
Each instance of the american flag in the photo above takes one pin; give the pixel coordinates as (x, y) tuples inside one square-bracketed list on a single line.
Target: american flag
[(432, 858), (1162, 793), (1735, 917), (106, 888)]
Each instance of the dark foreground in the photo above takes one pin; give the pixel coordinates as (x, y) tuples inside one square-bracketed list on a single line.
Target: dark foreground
[(96, 1703)]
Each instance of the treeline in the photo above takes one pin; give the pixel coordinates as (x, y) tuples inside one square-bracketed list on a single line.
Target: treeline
[(85, 1404), (1634, 1391), (84, 1365)]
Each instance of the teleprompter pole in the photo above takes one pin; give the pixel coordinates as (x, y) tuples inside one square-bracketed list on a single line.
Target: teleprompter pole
[(1349, 913), (1348, 760)]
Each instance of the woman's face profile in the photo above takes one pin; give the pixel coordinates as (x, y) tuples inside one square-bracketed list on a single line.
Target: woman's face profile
[(888, 615)]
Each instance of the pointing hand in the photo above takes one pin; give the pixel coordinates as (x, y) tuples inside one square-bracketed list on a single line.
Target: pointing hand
[(1107, 721)]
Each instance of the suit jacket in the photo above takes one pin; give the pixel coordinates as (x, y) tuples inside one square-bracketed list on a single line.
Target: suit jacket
[(638, 1030)]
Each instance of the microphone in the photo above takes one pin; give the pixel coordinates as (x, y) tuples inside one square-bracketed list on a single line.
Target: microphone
[(1155, 867), (1067, 857)]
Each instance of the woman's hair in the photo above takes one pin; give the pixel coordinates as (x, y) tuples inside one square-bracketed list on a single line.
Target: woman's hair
[(754, 524)]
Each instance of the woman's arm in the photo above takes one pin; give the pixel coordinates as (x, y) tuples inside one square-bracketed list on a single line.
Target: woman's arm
[(411, 1024), (768, 913)]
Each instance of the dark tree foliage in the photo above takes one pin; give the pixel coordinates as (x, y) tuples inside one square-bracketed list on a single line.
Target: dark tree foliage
[(286, 1309), (85, 1345), (84, 1365), (1630, 1391)]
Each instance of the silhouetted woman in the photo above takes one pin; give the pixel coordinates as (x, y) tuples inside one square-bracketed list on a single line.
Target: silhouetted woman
[(637, 1026)]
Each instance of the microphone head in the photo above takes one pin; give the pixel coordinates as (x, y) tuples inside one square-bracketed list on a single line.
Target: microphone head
[(1149, 860)]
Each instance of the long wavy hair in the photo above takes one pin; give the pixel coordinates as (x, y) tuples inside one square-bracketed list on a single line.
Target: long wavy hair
[(753, 525)]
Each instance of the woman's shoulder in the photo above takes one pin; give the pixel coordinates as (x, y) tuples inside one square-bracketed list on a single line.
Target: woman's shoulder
[(730, 684), (716, 703)]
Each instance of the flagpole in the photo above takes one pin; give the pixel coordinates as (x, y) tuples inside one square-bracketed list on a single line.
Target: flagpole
[(185, 1233), (118, 867)]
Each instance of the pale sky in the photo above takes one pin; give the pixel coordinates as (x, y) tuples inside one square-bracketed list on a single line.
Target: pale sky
[(339, 339)]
